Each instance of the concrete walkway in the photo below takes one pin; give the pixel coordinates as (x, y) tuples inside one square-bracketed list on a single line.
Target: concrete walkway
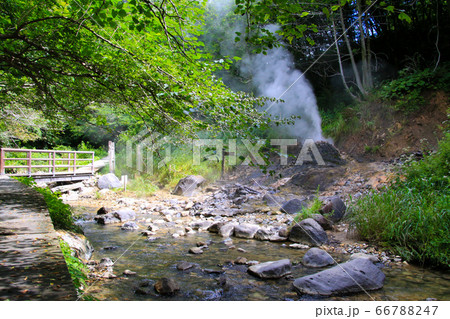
[(32, 266)]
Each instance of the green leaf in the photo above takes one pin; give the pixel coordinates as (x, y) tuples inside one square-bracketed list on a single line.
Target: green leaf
[(404, 17), (122, 13)]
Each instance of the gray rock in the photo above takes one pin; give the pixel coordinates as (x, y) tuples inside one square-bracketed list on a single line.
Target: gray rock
[(196, 250), (78, 243), (103, 211), (245, 230), (129, 226), (273, 200), (106, 262), (202, 224), (372, 258), (299, 246), (293, 206), (277, 238), (152, 228), (283, 232), (106, 219), (214, 228), (167, 287), (271, 269), (316, 257), (187, 186), (240, 261), (124, 214), (334, 210), (350, 277), (323, 222), (263, 234), (109, 181), (128, 272), (227, 230), (308, 231), (184, 265)]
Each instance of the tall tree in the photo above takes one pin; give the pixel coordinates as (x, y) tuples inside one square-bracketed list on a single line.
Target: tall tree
[(65, 58)]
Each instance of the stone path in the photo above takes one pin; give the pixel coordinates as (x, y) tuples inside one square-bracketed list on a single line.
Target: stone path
[(32, 266)]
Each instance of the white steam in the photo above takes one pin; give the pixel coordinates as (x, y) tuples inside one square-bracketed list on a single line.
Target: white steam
[(274, 75)]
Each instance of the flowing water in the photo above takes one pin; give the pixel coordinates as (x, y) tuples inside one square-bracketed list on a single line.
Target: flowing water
[(153, 260)]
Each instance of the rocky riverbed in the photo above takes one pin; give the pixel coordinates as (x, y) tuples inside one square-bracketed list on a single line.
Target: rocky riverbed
[(238, 241)]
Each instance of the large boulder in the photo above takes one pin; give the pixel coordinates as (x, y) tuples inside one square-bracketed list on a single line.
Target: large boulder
[(293, 206), (109, 181), (316, 257), (78, 243), (227, 230), (121, 215), (264, 234), (214, 228), (245, 230), (103, 210), (106, 219), (334, 210), (322, 221), (130, 226), (166, 286), (273, 200), (271, 269), (125, 214), (308, 231), (350, 277), (186, 186)]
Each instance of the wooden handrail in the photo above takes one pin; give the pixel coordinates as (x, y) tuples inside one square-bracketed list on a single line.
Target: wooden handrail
[(72, 162)]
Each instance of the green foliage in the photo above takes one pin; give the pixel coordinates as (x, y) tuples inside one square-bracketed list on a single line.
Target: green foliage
[(142, 186), (412, 216), (60, 213), (308, 212), (72, 58), (407, 90), (77, 269), (340, 122), (371, 149)]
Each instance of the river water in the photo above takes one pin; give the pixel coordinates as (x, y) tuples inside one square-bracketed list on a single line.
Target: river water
[(215, 278)]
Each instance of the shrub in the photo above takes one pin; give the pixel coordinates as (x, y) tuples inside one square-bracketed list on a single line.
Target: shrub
[(407, 90)]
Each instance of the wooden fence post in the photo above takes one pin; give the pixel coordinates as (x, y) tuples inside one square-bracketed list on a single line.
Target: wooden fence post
[(29, 163), (54, 164), (2, 162)]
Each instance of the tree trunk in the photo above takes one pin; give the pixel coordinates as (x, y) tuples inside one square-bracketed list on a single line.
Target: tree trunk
[(365, 54), (352, 58), (340, 62)]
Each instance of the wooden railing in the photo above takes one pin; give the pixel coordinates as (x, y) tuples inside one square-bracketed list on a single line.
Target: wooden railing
[(56, 162)]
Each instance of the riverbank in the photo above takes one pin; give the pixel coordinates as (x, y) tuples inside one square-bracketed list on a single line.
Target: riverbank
[(170, 232), (32, 266)]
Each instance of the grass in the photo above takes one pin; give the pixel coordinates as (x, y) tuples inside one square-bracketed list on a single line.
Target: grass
[(77, 269), (340, 122), (181, 164), (308, 212), (411, 217)]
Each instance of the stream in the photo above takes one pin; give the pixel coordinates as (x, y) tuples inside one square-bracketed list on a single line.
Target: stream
[(216, 278)]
